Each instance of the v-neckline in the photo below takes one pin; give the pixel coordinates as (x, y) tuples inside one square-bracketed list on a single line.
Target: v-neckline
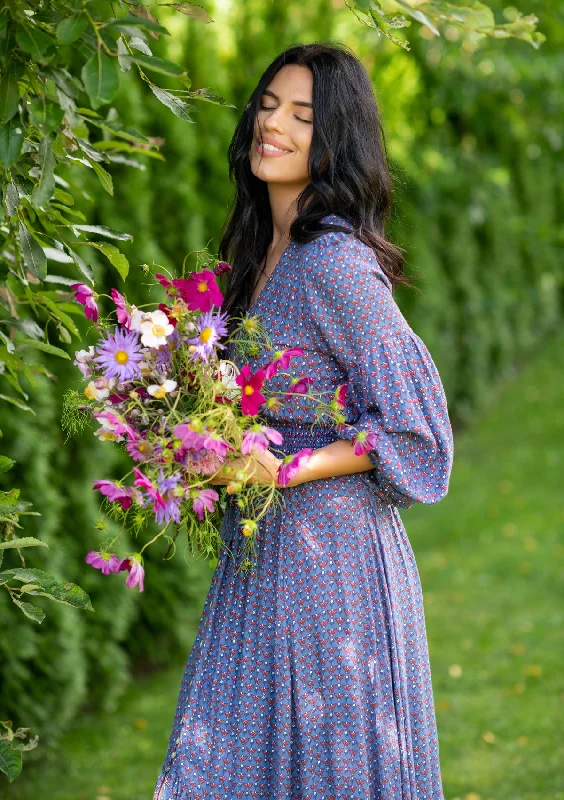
[(270, 278)]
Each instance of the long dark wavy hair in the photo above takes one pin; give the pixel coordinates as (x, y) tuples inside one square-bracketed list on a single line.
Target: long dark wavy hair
[(349, 173)]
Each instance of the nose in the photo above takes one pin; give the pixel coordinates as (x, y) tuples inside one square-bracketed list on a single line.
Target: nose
[(273, 121)]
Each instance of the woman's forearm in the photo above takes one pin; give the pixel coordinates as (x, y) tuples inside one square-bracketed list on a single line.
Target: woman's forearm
[(334, 459)]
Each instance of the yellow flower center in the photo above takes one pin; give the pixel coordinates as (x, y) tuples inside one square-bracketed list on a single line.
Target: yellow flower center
[(108, 437), (157, 330), (247, 531), (159, 393), (122, 356), (90, 392), (205, 335), (202, 286), (144, 447), (249, 390)]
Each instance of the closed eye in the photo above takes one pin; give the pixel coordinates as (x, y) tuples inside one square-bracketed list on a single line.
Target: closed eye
[(271, 108)]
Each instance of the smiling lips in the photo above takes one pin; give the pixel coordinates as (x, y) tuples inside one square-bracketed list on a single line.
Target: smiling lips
[(271, 149)]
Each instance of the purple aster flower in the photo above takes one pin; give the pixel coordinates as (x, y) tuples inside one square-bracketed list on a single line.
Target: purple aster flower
[(136, 572), (203, 499), (171, 509), (211, 327), (163, 354), (107, 562), (120, 355), (257, 438)]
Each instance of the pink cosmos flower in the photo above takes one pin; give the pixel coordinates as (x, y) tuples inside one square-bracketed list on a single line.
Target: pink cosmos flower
[(341, 394), (115, 494), (86, 297), (139, 449), (115, 424), (363, 442), (299, 386), (203, 499), (191, 438), (163, 280), (107, 562), (123, 312), (200, 291), (153, 492), (257, 437), (221, 267), (281, 360), (216, 444), (251, 397), (136, 572), (291, 465)]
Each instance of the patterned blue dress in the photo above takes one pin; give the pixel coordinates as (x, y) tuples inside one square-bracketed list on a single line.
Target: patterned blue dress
[(309, 679)]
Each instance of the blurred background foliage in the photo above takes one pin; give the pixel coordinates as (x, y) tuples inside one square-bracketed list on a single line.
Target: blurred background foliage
[(474, 134)]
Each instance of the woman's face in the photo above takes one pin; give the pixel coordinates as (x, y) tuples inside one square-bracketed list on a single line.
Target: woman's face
[(285, 120)]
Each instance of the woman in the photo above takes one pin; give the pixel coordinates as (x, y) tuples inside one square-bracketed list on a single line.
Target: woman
[(310, 678)]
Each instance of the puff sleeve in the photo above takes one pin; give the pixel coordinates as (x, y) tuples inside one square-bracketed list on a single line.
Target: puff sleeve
[(394, 388)]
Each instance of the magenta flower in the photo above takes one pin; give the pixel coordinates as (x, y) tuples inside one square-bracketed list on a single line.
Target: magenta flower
[(221, 267), (200, 291), (281, 360), (363, 442), (123, 312), (257, 438), (298, 386), (107, 562), (112, 422), (216, 444), (115, 494), (191, 437), (136, 572), (291, 465), (211, 327), (120, 355), (203, 499), (86, 297), (139, 449), (163, 280), (251, 397), (341, 394), (153, 492)]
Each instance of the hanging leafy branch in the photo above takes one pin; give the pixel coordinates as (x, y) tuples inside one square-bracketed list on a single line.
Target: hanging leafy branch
[(472, 16)]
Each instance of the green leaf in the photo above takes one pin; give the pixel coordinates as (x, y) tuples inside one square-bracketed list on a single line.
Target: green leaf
[(6, 464), (155, 64), (82, 265), (45, 114), (10, 760), (11, 141), (33, 612), (58, 312), (114, 256), (11, 199), (176, 105), (9, 97), (62, 591), (71, 28), (47, 348), (210, 97), (34, 257), (9, 500), (27, 326), (132, 19), (105, 177), (44, 190), (27, 541), (36, 42), (191, 10), (10, 346), (103, 231), (100, 76)]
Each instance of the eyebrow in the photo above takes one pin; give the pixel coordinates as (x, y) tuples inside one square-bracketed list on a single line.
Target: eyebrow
[(295, 102)]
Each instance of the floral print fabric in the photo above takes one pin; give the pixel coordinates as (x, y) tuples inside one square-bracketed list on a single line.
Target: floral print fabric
[(309, 679)]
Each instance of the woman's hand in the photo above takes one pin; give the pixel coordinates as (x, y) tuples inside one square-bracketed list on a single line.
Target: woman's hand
[(260, 467)]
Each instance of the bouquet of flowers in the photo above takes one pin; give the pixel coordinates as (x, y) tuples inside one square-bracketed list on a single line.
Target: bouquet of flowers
[(156, 385)]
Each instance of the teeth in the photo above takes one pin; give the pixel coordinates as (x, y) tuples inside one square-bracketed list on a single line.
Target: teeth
[(275, 149)]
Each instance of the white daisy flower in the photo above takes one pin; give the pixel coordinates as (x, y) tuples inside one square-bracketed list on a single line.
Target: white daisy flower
[(155, 328), (159, 390)]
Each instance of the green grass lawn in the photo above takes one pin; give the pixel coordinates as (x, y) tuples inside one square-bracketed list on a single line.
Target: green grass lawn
[(491, 558)]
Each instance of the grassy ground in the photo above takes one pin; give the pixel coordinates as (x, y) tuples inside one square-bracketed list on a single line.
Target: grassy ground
[(491, 558)]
